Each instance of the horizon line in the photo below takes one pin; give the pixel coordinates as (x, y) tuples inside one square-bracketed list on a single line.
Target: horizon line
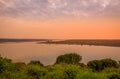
[(69, 38)]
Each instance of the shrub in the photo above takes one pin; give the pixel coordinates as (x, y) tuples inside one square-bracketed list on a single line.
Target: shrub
[(71, 58), (13, 75), (90, 75), (96, 65), (71, 72), (4, 62), (35, 71), (99, 65), (109, 63), (55, 72)]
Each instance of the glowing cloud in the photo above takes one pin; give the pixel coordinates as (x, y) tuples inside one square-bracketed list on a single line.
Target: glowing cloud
[(52, 8)]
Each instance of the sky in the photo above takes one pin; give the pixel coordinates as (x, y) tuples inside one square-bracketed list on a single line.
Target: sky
[(60, 19)]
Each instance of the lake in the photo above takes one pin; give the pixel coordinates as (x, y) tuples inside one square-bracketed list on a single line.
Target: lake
[(47, 53)]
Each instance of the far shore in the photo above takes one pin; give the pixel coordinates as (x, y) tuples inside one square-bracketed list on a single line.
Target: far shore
[(96, 42), (114, 43)]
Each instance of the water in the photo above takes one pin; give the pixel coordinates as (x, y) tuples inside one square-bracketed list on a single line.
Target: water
[(47, 53)]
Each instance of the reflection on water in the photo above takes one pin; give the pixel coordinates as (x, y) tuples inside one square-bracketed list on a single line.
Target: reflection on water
[(47, 53)]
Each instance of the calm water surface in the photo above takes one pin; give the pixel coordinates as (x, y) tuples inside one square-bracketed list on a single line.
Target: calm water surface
[(24, 52)]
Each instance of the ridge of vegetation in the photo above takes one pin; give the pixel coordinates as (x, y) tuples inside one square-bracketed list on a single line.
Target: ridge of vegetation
[(67, 66)]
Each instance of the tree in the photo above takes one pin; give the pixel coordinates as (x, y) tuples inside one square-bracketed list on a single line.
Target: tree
[(99, 65), (71, 58)]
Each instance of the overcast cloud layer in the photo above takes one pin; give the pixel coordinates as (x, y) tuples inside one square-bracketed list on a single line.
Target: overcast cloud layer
[(53, 8)]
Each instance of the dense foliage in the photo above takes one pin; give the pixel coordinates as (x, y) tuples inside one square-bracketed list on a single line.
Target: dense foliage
[(71, 58), (96, 69), (99, 65)]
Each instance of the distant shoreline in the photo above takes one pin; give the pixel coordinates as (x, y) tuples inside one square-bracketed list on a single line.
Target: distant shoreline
[(114, 43), (96, 42), (22, 40)]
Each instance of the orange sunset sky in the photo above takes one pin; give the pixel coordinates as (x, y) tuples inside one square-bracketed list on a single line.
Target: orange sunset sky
[(60, 19)]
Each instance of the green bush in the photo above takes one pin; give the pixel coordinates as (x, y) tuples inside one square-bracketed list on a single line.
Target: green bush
[(90, 75), (18, 66), (13, 75), (71, 71), (55, 72), (4, 62), (36, 72), (98, 65), (71, 58), (109, 63)]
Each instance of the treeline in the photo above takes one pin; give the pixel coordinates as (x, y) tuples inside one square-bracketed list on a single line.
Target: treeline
[(67, 66), (97, 42)]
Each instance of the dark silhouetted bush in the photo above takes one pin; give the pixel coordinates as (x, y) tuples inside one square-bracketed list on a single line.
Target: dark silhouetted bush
[(95, 65), (109, 63), (99, 65), (71, 58)]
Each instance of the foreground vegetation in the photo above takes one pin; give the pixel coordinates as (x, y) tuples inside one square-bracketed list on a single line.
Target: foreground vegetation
[(67, 66)]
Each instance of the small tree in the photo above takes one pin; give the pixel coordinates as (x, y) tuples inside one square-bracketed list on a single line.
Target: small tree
[(71, 58)]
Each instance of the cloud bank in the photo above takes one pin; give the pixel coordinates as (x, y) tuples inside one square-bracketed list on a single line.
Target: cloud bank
[(57, 8)]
